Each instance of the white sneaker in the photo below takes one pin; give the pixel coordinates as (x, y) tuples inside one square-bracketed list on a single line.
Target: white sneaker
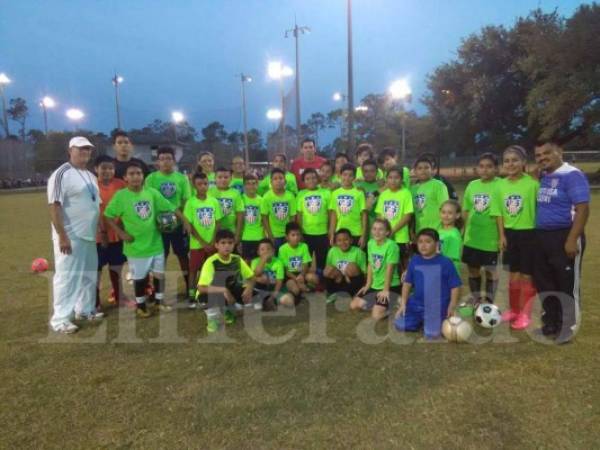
[(90, 317), (66, 328)]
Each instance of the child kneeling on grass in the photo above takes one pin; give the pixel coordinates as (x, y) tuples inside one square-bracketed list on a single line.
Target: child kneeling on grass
[(296, 258), (436, 288), (225, 280), (382, 287), (345, 267), (269, 274)]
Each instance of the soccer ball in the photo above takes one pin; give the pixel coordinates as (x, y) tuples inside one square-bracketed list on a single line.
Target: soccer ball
[(167, 222), (488, 315), (39, 265), (456, 329)]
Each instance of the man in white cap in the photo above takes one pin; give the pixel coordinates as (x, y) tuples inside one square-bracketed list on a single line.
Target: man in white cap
[(74, 201)]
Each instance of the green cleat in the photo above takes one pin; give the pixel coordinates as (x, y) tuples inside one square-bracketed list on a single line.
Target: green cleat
[(212, 325), (331, 299), (229, 317)]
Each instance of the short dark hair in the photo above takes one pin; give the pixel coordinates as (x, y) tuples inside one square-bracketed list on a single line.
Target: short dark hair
[(266, 241), (423, 159), (292, 226), (341, 155), (199, 176), (489, 156), (223, 169), (433, 234), (551, 141), (280, 155), (100, 159), (348, 166), (119, 133), (224, 234), (327, 163), (365, 147), (277, 170), (369, 162), (305, 140), (387, 151), (343, 231), (396, 169), (249, 177), (133, 163), (308, 172), (164, 150)]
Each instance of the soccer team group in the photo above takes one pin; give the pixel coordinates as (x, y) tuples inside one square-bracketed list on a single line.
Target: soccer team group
[(396, 246)]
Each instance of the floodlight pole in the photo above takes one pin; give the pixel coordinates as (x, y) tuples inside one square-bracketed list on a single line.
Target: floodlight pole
[(296, 31), (243, 79)]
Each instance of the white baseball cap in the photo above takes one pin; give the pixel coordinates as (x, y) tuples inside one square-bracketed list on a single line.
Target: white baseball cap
[(80, 141)]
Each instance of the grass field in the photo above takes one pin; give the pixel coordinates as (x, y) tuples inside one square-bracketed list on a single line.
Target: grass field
[(88, 391)]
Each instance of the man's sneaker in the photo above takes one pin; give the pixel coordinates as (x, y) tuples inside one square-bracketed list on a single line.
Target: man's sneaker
[(161, 307), (142, 313), (229, 317), (331, 299), (66, 328), (212, 325), (91, 317), (521, 322), (193, 303), (509, 315)]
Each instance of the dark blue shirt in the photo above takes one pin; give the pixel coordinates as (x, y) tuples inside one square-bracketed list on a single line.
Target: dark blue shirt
[(432, 279), (559, 192)]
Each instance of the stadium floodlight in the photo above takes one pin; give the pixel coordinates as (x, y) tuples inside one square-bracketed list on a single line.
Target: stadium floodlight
[(47, 103), (361, 108), (400, 89), (177, 116), (274, 114), (4, 80), (338, 97), (75, 114), (276, 70)]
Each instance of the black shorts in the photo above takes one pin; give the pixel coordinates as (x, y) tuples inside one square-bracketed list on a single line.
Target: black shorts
[(178, 240), (350, 288), (319, 245), (372, 300), (112, 255), (520, 251), (249, 250), (405, 249), (474, 257)]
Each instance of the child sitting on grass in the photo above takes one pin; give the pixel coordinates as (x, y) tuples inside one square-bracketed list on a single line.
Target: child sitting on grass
[(269, 274)]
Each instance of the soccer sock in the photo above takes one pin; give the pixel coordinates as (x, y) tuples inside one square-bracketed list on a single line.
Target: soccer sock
[(491, 286), (159, 286), (184, 264), (475, 287), (139, 287), (514, 295), (115, 281), (213, 313), (528, 294)]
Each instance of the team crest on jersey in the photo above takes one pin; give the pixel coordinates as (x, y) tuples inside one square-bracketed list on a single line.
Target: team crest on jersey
[(481, 202), (205, 216), (168, 189), (554, 183), (281, 210), (226, 205), (251, 215), (377, 261), (345, 203), (420, 201), (513, 204), (143, 209), (341, 265), (313, 203), (270, 276), (390, 209), (296, 263), (239, 188)]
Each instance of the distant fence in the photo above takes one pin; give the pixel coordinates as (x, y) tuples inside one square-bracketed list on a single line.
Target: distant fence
[(16, 159)]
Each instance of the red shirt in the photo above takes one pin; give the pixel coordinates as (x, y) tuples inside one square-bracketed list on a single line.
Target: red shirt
[(300, 165), (106, 194)]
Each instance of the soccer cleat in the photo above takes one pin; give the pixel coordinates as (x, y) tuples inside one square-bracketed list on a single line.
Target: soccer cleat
[(229, 317), (521, 322), (331, 299), (161, 307), (142, 312), (212, 325), (192, 303), (66, 328), (509, 315), (91, 317)]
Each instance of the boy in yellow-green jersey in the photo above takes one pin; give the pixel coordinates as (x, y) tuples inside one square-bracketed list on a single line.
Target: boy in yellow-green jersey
[(278, 209), (230, 201), (348, 209), (428, 195), (279, 162), (252, 228)]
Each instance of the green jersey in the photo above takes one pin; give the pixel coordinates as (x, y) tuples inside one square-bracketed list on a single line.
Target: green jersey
[(237, 183), (203, 215), (212, 180), (290, 184), (380, 257), (427, 200), (137, 212), (360, 176), (393, 206), (451, 245), (217, 271), (480, 201), (280, 209), (340, 259), (231, 204), (273, 269), (313, 206), (293, 258), (173, 186), (371, 190), (348, 205), (517, 202), (253, 228)]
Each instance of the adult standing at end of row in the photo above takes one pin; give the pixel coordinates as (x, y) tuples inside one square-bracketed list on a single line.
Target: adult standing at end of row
[(308, 160), (562, 212), (74, 200)]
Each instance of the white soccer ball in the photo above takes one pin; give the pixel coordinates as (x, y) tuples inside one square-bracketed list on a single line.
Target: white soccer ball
[(488, 315), (456, 329)]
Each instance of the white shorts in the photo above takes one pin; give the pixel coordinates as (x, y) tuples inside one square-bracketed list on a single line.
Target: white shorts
[(141, 267)]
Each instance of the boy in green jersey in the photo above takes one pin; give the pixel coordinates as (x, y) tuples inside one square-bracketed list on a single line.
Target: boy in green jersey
[(449, 232), (428, 195), (206, 164), (313, 217), (388, 159), (252, 231), (481, 232), (395, 205), (280, 163), (341, 159), (365, 152), (203, 214), (238, 170), (382, 287), (278, 209), (326, 177), (348, 209), (269, 274), (297, 260), (345, 268), (175, 187), (371, 186), (231, 203), (137, 209), (225, 280)]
